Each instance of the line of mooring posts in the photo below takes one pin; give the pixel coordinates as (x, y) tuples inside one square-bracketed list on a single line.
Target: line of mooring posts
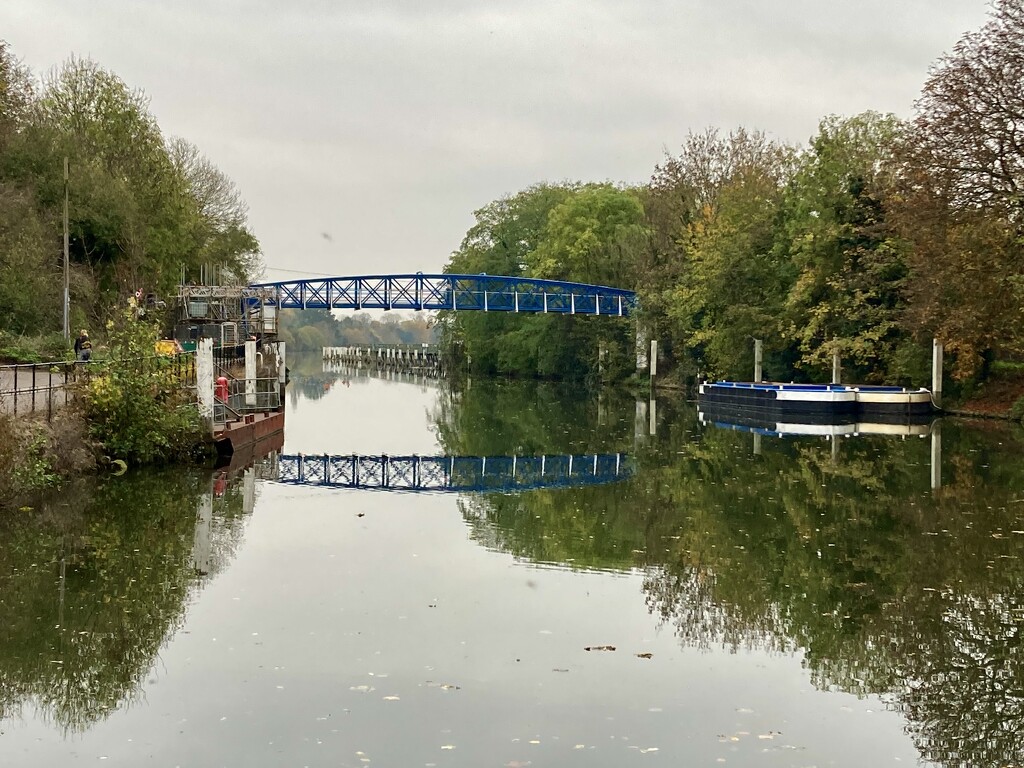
[(837, 366), (407, 357), (935, 432)]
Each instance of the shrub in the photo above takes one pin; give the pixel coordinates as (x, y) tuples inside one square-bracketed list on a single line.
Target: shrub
[(1017, 410), (34, 349), (26, 462), (134, 401)]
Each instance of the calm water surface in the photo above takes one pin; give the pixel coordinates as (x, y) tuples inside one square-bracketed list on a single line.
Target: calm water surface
[(725, 600)]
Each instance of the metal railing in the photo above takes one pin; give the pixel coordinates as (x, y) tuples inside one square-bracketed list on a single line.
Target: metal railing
[(264, 395), (36, 387), (45, 387)]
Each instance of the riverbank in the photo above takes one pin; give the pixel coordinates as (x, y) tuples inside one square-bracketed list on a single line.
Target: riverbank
[(36, 454)]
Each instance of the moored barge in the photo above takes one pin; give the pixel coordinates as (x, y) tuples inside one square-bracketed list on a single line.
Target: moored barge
[(828, 400)]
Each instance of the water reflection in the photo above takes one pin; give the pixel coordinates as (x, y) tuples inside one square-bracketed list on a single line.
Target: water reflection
[(95, 582), (459, 474), (310, 378), (840, 553), (846, 551)]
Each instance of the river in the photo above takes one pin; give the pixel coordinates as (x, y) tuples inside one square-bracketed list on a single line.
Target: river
[(702, 595)]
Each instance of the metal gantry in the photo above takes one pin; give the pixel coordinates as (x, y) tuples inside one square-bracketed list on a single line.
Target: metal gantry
[(486, 293), (452, 473)]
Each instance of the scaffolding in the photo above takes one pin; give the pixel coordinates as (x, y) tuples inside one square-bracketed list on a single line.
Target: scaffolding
[(228, 314)]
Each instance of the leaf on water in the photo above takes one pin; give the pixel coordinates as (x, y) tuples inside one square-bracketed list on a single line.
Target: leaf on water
[(599, 648), (644, 655)]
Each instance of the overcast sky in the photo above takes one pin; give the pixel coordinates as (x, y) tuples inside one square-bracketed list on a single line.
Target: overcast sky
[(364, 134)]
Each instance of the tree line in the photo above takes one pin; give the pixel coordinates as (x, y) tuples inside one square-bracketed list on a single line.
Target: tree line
[(144, 208), (313, 329), (875, 237)]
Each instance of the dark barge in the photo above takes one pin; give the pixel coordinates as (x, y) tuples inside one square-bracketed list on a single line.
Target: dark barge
[(774, 399)]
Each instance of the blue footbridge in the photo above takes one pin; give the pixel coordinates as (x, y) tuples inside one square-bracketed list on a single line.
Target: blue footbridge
[(452, 474), (482, 293)]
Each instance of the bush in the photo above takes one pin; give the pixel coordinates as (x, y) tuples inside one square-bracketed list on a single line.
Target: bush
[(24, 465), (1017, 410), (34, 349), (135, 403)]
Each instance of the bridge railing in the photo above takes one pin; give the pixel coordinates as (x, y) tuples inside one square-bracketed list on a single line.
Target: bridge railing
[(487, 293), (452, 473)]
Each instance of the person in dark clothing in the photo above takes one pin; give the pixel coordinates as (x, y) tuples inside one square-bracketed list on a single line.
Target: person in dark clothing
[(83, 347)]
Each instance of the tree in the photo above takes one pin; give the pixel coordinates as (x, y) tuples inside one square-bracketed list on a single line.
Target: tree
[(850, 264), (16, 94), (571, 232), (29, 264), (713, 280), (130, 213), (962, 202), (969, 129), (593, 236), (221, 230), (506, 233)]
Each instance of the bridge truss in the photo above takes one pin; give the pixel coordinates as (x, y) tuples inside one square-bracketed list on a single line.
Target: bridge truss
[(452, 473), (487, 293)]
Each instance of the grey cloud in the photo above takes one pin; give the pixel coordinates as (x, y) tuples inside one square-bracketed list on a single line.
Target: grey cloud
[(387, 123)]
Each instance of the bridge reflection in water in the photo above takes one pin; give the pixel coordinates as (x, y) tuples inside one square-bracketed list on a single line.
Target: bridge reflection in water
[(451, 473)]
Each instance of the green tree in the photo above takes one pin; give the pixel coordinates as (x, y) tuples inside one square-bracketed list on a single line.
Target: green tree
[(130, 209), (29, 250), (506, 232), (715, 281), (850, 265), (579, 233), (593, 236)]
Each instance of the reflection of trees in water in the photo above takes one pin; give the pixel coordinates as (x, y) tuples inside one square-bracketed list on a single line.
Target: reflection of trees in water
[(885, 588), (92, 590), (312, 378), (499, 417)]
